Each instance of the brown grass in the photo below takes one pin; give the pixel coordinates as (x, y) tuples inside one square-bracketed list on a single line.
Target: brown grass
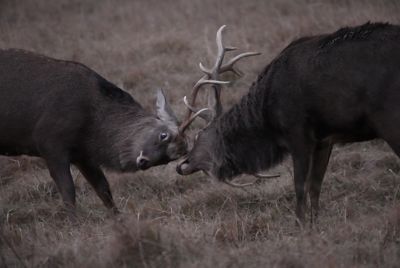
[(168, 220)]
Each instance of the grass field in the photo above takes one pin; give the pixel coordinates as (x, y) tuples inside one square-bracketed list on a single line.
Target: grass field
[(173, 221)]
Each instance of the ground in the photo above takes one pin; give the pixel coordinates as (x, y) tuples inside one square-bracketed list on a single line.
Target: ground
[(173, 221)]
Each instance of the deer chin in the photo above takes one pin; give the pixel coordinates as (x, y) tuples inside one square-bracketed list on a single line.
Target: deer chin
[(184, 168)]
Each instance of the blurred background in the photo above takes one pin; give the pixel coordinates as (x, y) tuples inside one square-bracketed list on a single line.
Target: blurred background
[(141, 45)]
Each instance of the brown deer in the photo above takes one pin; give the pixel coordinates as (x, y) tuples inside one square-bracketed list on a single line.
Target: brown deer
[(68, 114), (320, 90)]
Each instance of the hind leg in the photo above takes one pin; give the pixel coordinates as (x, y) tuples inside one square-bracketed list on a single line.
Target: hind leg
[(395, 147), (59, 168), (392, 138), (386, 126), (58, 162), (95, 176), (386, 122), (394, 144)]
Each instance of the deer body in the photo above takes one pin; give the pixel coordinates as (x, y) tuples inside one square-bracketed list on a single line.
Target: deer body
[(67, 114), (321, 90)]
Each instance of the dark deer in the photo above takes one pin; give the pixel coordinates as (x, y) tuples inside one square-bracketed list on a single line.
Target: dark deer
[(321, 90), (68, 114)]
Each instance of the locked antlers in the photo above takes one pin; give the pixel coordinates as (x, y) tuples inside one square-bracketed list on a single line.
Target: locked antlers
[(211, 77)]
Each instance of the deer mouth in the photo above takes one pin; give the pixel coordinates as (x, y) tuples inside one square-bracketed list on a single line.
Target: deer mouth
[(142, 162), (185, 168)]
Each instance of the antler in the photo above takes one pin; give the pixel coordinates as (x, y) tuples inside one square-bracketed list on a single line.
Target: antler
[(211, 76), (257, 175)]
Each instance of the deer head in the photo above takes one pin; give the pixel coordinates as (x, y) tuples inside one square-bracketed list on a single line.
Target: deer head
[(204, 154)]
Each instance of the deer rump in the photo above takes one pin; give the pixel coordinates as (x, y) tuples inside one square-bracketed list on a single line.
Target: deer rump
[(67, 114), (320, 90)]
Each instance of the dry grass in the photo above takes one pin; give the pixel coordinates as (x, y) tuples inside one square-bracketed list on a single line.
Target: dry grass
[(172, 221)]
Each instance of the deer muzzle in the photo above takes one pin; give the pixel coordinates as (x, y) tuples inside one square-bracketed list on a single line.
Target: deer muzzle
[(142, 162), (184, 167)]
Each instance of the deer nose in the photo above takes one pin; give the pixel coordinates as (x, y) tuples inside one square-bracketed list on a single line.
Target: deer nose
[(142, 162), (182, 167)]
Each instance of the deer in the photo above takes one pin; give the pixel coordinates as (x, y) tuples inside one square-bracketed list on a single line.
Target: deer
[(67, 114), (321, 90)]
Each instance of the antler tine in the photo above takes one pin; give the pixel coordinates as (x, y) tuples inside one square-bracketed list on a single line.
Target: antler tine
[(204, 69), (187, 123), (214, 94), (195, 90), (190, 107), (229, 65), (230, 48), (265, 176), (221, 51), (239, 185), (204, 115), (202, 81), (257, 175)]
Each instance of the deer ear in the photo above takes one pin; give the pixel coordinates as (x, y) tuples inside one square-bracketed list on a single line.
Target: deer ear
[(164, 111)]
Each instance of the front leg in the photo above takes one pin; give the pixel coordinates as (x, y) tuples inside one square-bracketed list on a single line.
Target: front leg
[(321, 156), (302, 156)]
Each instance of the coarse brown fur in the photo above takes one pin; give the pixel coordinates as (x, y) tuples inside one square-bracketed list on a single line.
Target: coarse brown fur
[(67, 114), (320, 90)]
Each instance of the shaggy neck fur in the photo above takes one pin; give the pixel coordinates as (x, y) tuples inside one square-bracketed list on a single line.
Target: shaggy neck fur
[(121, 129), (247, 139)]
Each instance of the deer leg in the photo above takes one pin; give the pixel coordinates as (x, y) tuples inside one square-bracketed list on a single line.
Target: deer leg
[(321, 156), (58, 163), (395, 147), (390, 134), (52, 144), (95, 176), (302, 154), (60, 172)]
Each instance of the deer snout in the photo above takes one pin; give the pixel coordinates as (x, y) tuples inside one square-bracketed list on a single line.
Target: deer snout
[(183, 168), (142, 162)]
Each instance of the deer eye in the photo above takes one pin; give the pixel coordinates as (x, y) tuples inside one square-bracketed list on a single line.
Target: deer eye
[(164, 136)]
